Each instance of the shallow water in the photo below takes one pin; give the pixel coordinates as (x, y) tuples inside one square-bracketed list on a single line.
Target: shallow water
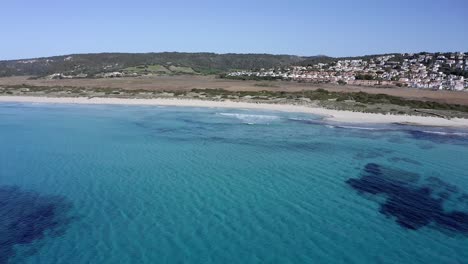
[(137, 184)]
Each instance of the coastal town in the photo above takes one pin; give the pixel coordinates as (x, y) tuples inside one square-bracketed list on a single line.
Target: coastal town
[(437, 71)]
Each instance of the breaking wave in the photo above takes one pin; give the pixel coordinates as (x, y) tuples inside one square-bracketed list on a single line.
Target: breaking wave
[(360, 128), (442, 133), (252, 119)]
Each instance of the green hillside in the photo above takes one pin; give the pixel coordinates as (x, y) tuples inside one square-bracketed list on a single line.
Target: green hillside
[(91, 64)]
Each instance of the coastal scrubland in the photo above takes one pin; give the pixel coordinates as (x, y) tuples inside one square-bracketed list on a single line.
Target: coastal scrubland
[(398, 101), (188, 82)]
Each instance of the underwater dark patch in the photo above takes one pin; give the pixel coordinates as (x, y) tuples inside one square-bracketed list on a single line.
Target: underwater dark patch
[(412, 204), (155, 129), (27, 217), (278, 145), (405, 160), (307, 121), (458, 138), (463, 199), (368, 155), (372, 153)]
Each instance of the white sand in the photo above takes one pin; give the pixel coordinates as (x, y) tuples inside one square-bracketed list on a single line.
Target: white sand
[(332, 115)]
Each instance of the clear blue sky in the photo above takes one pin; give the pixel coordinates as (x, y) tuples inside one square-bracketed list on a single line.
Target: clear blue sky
[(303, 27)]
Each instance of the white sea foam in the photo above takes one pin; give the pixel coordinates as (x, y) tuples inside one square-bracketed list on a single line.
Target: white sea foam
[(252, 119), (461, 134), (360, 128), (300, 119), (304, 119)]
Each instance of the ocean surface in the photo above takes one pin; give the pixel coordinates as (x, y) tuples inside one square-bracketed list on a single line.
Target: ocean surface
[(140, 184)]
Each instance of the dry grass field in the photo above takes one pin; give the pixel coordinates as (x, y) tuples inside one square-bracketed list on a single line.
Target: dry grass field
[(188, 82)]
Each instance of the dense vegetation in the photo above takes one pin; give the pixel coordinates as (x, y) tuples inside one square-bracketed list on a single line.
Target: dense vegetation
[(364, 77)]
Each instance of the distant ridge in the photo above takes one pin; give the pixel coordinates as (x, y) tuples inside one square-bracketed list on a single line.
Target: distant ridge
[(108, 62), (94, 64)]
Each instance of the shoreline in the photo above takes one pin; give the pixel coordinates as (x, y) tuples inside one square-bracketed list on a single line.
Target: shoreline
[(327, 114)]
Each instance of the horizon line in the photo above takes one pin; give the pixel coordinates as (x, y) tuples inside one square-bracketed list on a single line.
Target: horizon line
[(227, 53)]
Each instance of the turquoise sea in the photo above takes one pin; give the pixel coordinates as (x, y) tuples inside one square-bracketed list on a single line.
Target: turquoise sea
[(141, 184)]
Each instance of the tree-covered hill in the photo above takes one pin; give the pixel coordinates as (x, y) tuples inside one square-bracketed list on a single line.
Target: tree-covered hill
[(92, 64)]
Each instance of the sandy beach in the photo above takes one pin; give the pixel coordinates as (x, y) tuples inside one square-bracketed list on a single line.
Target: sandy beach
[(328, 114)]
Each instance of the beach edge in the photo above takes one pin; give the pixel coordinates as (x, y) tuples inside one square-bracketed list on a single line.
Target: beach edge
[(327, 114)]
